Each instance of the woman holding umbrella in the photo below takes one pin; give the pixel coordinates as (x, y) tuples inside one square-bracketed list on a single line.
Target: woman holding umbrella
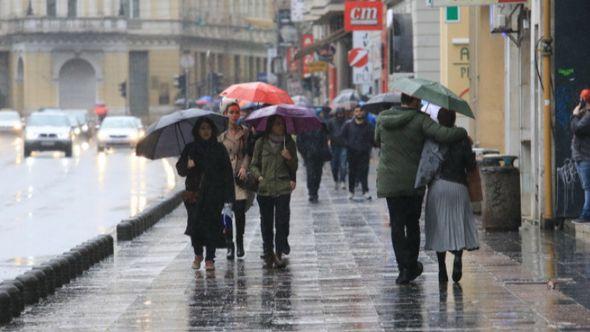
[(209, 185), (275, 165)]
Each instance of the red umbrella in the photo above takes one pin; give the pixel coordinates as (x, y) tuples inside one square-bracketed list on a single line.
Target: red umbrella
[(258, 92), (298, 119)]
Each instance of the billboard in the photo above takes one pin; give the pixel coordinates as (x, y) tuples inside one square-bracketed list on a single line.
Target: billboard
[(363, 15)]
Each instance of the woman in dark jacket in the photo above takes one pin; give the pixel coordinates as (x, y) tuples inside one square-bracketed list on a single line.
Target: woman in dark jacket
[(313, 146), (450, 224), (209, 184)]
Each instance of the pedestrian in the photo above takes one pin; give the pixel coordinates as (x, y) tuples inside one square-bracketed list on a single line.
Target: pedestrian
[(580, 126), (275, 165), (235, 140), (338, 148), (209, 188), (401, 132), (313, 146), (101, 111), (450, 224), (358, 135)]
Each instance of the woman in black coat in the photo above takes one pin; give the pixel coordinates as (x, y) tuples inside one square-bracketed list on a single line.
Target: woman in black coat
[(209, 184)]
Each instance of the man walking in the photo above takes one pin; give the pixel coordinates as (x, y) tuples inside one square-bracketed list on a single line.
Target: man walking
[(401, 132), (358, 135), (338, 148)]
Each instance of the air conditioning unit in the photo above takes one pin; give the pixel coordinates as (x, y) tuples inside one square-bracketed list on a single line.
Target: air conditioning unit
[(501, 18)]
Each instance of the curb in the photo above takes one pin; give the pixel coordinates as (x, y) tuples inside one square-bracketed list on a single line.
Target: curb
[(42, 280), (128, 229)]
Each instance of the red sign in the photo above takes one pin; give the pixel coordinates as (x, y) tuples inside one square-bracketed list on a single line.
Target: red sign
[(358, 57), (363, 15), (307, 40)]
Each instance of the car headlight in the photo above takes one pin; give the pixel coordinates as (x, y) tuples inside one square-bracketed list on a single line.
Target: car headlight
[(133, 136), (30, 135), (102, 136), (77, 131), (85, 128), (17, 126)]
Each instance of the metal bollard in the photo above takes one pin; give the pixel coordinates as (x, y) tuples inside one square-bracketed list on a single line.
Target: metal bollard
[(501, 193)]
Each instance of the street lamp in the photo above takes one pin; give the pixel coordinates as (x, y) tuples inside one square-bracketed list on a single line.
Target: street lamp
[(187, 61)]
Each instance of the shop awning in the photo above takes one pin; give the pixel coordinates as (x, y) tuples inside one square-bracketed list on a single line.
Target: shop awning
[(335, 36)]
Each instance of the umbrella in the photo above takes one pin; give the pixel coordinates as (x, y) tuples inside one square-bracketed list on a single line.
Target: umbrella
[(258, 92), (168, 136), (382, 102), (302, 101), (298, 119), (347, 98), (433, 92), (204, 100)]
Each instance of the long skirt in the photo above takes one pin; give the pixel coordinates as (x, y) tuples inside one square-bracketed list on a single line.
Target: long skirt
[(450, 224)]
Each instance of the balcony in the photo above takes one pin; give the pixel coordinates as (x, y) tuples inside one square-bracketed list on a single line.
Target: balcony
[(44, 25)]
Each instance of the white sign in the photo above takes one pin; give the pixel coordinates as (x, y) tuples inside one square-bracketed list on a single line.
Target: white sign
[(187, 61), (444, 3), (297, 10), (370, 40)]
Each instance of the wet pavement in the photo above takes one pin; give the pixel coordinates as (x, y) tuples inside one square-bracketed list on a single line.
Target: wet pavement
[(50, 203), (340, 277)]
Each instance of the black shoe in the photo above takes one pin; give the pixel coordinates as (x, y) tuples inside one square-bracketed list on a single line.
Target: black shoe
[(403, 277), (230, 251), (240, 248), (416, 272), (457, 269), (287, 249), (279, 262), (443, 277)]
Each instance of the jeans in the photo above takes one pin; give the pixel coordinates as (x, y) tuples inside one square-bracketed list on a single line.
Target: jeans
[(358, 169), (275, 214), (338, 163), (240, 215), (198, 248), (404, 214), (313, 168), (583, 168)]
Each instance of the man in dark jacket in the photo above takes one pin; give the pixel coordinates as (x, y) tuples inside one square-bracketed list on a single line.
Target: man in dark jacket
[(580, 126), (401, 133), (338, 148), (313, 146), (358, 135)]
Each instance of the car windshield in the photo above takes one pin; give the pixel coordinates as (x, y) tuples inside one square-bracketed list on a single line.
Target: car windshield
[(48, 120), (119, 123), (9, 116), (73, 119)]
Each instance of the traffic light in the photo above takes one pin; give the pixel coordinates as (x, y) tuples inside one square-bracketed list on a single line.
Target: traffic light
[(123, 89), (180, 84)]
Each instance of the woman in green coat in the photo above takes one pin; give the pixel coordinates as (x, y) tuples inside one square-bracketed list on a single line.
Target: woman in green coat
[(274, 163)]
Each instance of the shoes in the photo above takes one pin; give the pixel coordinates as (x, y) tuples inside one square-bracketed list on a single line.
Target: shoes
[(197, 262), (442, 277), (209, 265), (344, 185), (416, 272), (367, 196), (350, 196), (287, 249), (313, 199), (230, 251), (402, 278), (581, 221), (240, 248), (279, 262), (457, 269)]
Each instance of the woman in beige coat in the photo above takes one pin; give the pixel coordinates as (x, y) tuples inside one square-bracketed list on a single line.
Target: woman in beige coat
[(235, 140)]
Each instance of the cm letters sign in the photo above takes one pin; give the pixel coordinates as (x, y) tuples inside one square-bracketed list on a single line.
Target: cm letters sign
[(363, 15)]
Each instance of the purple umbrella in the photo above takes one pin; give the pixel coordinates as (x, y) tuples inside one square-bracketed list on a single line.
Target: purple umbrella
[(298, 119)]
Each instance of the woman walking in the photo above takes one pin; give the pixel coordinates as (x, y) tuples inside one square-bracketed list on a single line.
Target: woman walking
[(275, 165), (209, 185), (450, 224), (235, 140)]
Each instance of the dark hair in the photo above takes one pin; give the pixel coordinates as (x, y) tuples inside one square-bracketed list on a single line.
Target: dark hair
[(271, 120), (195, 130), (446, 118), (407, 99), (230, 105)]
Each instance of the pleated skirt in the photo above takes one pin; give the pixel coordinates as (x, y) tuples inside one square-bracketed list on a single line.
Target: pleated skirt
[(450, 223)]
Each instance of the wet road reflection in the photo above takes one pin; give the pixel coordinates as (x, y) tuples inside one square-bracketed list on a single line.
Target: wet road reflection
[(50, 203)]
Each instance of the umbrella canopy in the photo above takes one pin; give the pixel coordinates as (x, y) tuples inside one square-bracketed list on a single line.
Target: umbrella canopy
[(302, 101), (382, 102), (298, 119), (204, 100), (347, 98), (258, 92), (433, 92), (168, 136)]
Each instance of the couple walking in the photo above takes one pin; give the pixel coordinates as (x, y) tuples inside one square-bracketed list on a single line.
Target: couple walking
[(401, 132), (211, 165)]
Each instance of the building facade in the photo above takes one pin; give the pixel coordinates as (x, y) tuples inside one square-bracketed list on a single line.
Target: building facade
[(75, 53)]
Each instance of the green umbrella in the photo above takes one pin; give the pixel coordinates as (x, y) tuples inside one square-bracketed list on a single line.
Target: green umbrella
[(433, 92)]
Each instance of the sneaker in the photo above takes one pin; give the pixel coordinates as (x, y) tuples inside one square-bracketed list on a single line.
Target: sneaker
[(197, 262), (209, 265), (350, 196), (344, 186), (367, 196)]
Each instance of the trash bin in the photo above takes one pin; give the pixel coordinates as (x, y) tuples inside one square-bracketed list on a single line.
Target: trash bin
[(480, 153), (501, 193)]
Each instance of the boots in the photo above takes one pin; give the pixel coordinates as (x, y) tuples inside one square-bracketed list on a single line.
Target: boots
[(442, 267), (458, 266), (230, 251), (240, 246)]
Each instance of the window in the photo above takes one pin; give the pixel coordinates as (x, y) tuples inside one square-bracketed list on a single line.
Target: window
[(72, 8), (51, 8), (130, 8)]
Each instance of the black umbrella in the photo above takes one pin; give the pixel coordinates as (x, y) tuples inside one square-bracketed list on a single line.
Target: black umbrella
[(168, 136), (382, 102)]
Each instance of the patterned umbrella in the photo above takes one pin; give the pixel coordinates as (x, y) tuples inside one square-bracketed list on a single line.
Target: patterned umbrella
[(298, 119)]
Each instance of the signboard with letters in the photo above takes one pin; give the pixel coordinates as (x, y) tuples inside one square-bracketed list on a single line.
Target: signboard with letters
[(361, 69), (363, 15)]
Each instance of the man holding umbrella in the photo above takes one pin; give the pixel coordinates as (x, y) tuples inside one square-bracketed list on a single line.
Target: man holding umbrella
[(401, 132)]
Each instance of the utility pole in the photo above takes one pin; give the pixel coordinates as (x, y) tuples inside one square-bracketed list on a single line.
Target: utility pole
[(547, 52)]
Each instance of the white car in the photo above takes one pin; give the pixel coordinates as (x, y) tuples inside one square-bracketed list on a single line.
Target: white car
[(119, 131), (48, 132), (10, 121)]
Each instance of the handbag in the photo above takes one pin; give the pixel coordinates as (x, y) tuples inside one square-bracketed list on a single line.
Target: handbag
[(189, 197), (249, 183), (474, 185)]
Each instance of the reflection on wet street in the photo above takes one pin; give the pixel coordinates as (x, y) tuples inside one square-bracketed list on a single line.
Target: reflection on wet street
[(340, 277), (50, 203)]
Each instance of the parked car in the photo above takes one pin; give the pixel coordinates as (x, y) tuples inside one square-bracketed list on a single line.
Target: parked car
[(48, 132), (10, 121), (119, 131)]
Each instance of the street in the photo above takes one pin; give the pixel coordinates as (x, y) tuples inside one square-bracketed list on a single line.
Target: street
[(51, 203)]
